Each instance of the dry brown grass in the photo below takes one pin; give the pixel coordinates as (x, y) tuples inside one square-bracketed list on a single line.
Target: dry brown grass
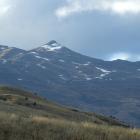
[(13, 127), (48, 121)]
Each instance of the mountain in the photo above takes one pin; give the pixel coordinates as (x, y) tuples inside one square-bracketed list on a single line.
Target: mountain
[(26, 116), (70, 78)]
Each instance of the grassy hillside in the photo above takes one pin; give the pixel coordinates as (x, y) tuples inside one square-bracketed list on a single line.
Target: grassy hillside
[(25, 116)]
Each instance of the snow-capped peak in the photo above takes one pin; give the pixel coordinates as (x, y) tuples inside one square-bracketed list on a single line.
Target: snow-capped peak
[(52, 46), (53, 43)]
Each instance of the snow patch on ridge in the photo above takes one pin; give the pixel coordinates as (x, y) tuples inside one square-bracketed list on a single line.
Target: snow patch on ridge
[(41, 66), (61, 60), (49, 48), (105, 72), (39, 57), (52, 46), (62, 77), (19, 79), (34, 53), (85, 64)]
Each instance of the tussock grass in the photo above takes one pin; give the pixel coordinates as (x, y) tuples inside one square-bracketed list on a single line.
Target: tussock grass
[(14, 127), (21, 119)]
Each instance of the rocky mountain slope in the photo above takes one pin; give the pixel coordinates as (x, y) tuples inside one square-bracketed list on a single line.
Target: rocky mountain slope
[(65, 76)]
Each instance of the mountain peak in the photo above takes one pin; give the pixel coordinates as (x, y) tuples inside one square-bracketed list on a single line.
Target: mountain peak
[(52, 43), (52, 46)]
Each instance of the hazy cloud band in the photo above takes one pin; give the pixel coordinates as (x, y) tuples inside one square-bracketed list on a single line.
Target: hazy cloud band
[(120, 7)]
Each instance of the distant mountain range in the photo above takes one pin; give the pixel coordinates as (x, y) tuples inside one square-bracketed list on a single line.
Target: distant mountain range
[(70, 78)]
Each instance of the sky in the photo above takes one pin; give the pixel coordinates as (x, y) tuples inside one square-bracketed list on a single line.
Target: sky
[(106, 29)]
